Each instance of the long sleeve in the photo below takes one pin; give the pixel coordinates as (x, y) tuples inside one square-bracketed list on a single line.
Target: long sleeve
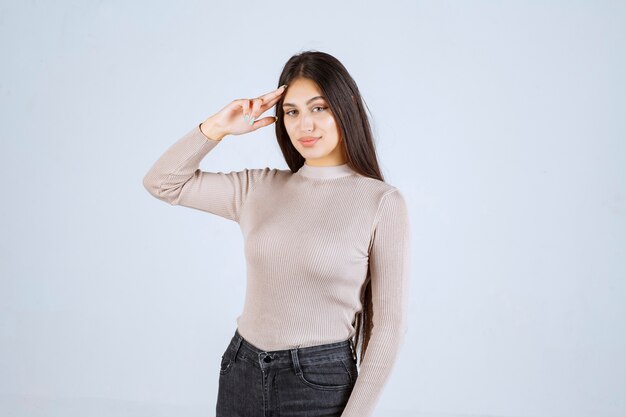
[(177, 179), (389, 262)]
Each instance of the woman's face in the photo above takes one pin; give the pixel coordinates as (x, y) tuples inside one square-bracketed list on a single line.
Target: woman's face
[(308, 116)]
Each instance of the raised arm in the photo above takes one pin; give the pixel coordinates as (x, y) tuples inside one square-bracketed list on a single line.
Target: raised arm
[(389, 261), (177, 179)]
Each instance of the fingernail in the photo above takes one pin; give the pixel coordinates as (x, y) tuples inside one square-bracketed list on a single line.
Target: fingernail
[(251, 121), (275, 119), (245, 117)]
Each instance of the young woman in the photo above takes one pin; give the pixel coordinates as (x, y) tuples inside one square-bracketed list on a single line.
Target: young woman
[(326, 245)]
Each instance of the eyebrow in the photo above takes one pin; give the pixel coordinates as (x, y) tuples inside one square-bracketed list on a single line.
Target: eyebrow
[(308, 101)]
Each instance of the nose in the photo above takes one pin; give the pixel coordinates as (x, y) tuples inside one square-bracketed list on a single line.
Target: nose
[(306, 123)]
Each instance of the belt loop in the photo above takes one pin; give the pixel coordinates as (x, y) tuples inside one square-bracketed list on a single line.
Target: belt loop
[(238, 339), (296, 362)]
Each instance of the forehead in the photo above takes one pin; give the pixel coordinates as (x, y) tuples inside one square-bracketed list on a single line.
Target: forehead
[(301, 91), (306, 101)]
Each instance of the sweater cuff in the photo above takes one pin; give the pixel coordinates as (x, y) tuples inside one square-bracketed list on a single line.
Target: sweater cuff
[(202, 133)]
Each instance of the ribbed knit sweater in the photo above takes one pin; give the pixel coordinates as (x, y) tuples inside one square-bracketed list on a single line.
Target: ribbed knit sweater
[(309, 239)]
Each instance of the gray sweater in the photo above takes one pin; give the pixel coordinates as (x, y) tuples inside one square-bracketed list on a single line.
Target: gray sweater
[(309, 239)]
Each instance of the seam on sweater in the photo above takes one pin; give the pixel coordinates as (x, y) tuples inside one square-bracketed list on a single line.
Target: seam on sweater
[(324, 179), (253, 186), (375, 222)]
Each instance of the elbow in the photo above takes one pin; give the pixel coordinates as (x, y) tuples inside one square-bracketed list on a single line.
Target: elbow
[(399, 335), (151, 185), (399, 332), (393, 330), (158, 190)]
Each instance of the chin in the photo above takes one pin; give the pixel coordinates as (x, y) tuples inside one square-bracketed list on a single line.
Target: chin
[(314, 154)]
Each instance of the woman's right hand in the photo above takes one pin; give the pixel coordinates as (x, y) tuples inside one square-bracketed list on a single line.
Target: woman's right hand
[(230, 120)]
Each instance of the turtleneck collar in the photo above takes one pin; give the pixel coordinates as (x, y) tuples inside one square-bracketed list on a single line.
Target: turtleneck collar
[(325, 172)]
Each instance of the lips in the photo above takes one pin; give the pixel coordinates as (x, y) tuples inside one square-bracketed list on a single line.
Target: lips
[(308, 139)]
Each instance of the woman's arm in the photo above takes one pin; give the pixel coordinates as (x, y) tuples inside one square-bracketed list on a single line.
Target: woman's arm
[(176, 178), (389, 262)]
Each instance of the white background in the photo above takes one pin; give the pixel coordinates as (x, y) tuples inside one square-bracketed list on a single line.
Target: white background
[(503, 123)]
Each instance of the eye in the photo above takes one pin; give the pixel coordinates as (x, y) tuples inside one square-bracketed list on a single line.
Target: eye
[(317, 107)]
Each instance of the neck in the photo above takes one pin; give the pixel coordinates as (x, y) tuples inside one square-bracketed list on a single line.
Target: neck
[(325, 171)]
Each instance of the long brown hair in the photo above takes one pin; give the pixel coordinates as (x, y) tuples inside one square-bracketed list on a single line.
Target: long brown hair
[(346, 104)]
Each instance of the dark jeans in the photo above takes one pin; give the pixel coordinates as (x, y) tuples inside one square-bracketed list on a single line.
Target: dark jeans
[(311, 381)]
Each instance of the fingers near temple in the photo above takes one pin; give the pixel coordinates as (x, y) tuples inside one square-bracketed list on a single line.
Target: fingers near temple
[(272, 94), (269, 103)]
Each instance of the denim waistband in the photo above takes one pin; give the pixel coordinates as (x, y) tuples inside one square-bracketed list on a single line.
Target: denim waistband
[(242, 348)]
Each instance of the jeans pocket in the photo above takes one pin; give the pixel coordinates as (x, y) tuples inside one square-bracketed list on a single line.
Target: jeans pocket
[(226, 363), (327, 375), (228, 358)]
